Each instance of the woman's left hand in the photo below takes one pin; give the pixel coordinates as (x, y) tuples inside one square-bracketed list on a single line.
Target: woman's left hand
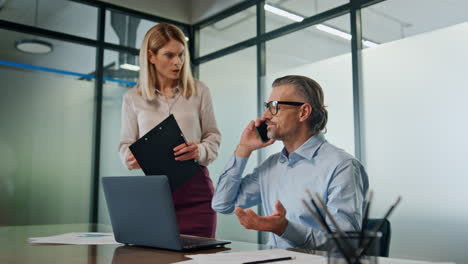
[(186, 151)]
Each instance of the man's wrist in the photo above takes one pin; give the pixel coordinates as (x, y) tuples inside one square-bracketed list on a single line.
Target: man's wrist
[(281, 228), (243, 151)]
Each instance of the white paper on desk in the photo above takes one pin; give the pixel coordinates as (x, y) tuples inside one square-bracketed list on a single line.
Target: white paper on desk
[(299, 258), (91, 238), (246, 256), (408, 261)]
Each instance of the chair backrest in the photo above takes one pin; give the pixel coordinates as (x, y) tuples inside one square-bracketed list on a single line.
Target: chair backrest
[(384, 245)]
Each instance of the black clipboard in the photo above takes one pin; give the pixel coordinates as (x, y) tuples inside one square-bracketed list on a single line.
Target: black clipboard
[(154, 152)]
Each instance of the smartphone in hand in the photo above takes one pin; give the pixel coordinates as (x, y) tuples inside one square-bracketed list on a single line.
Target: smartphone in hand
[(262, 132)]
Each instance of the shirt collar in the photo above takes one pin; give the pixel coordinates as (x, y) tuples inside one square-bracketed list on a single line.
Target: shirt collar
[(309, 149), (176, 91)]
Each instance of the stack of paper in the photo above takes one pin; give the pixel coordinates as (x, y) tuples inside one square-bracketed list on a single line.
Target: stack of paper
[(248, 256), (76, 239)]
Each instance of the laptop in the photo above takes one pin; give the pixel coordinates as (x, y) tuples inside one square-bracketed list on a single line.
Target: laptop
[(142, 213)]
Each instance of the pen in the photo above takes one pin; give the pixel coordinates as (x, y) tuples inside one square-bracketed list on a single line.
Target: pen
[(316, 217), (332, 220), (379, 226), (321, 220), (327, 229), (346, 247), (319, 214), (268, 260), (365, 218)]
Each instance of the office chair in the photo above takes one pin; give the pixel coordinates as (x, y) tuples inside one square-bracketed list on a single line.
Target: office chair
[(384, 245)]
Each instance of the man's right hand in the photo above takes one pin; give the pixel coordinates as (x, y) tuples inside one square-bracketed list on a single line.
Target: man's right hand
[(132, 163), (250, 140)]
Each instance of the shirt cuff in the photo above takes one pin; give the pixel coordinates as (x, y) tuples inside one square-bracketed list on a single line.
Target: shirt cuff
[(123, 157), (202, 153), (296, 234)]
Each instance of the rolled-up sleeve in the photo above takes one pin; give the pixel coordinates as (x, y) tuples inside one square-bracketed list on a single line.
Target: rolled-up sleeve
[(211, 137), (128, 128), (233, 190)]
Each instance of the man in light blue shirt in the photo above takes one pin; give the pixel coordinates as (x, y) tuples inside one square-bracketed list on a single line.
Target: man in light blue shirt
[(296, 115)]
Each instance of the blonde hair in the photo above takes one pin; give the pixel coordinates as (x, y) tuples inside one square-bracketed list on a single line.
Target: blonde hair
[(156, 38)]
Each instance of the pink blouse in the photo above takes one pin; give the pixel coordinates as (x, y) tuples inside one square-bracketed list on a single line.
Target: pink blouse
[(195, 117)]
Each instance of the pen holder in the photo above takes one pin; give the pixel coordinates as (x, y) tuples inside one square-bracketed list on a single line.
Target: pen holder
[(353, 248)]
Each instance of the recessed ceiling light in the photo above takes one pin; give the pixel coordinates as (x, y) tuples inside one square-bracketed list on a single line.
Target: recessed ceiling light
[(34, 46), (130, 67)]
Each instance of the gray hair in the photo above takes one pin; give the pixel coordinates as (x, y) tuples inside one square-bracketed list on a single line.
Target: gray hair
[(312, 93)]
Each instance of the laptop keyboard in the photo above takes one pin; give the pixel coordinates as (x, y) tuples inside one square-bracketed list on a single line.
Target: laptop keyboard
[(194, 242)]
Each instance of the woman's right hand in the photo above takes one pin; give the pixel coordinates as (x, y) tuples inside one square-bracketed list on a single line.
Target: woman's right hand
[(132, 163), (250, 140)]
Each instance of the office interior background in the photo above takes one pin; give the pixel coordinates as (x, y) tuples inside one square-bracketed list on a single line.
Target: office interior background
[(396, 95)]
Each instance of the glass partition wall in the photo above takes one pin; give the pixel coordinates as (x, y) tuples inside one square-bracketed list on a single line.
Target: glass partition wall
[(63, 76), (414, 90), (232, 81), (392, 77), (46, 140)]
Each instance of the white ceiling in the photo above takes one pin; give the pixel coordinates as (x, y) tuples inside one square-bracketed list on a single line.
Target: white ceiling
[(178, 10), (384, 22), (387, 21), (186, 11)]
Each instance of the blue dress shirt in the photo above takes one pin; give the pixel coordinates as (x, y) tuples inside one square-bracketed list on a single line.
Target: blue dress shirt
[(317, 165)]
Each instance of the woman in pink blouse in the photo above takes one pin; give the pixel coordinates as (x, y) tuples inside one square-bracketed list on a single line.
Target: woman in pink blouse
[(166, 86)]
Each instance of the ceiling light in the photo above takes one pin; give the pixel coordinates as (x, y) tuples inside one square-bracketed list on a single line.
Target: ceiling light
[(369, 43), (344, 35), (130, 67), (33, 46), (282, 13), (333, 31), (321, 27)]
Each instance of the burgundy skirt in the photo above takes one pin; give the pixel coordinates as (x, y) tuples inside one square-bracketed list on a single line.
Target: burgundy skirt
[(192, 202)]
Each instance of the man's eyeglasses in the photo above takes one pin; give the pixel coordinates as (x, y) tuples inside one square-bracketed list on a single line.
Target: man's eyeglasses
[(273, 105)]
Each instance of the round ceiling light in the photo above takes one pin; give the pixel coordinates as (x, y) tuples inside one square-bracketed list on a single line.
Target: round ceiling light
[(34, 46)]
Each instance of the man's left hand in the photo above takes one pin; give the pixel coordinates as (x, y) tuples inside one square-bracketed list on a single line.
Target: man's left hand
[(275, 223)]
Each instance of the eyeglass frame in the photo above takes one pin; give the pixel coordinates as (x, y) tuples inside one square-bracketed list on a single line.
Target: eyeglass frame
[(267, 105)]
